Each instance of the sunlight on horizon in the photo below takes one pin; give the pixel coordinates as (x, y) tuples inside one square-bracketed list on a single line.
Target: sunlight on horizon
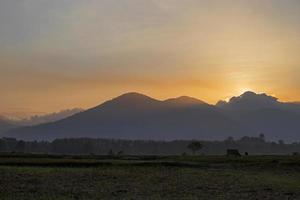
[(65, 54)]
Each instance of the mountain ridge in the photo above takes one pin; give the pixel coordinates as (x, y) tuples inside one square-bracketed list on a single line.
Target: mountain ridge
[(137, 116)]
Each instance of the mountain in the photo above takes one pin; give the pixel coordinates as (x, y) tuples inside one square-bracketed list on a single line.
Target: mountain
[(136, 116), (264, 113), (52, 117), (250, 101), (184, 101)]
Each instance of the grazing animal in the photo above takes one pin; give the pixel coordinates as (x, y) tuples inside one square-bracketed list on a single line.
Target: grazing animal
[(233, 153)]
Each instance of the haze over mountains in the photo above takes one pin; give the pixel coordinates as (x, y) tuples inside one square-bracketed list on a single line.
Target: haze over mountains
[(5, 125), (52, 117), (41, 119), (136, 116), (8, 123)]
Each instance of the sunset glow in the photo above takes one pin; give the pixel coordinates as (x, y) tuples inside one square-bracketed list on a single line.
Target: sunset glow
[(64, 54)]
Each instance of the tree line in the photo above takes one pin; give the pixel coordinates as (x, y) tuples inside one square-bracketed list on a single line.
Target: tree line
[(251, 145)]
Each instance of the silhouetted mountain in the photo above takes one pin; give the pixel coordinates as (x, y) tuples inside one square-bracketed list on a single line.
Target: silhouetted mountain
[(184, 101), (263, 113), (136, 116), (250, 101)]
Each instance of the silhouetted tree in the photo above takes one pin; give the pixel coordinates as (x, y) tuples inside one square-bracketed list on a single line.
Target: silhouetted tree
[(262, 137), (281, 142), (120, 153), (252, 145), (111, 153), (195, 146), (230, 139), (34, 147), (87, 147), (20, 147), (3, 145)]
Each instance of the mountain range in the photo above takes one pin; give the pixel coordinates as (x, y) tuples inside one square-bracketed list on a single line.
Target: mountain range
[(136, 116)]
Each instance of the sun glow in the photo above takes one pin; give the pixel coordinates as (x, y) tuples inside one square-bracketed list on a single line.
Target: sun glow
[(244, 89)]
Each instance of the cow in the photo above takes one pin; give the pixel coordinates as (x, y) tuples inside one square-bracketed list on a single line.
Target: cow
[(233, 153)]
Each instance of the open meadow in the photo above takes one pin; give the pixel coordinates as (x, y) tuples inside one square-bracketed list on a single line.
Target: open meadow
[(149, 177)]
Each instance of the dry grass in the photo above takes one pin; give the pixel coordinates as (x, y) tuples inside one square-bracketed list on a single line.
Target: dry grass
[(161, 178)]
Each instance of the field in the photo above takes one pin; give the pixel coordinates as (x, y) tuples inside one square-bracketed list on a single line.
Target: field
[(149, 177)]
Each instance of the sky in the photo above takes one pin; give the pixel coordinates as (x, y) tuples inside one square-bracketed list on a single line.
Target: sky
[(62, 54)]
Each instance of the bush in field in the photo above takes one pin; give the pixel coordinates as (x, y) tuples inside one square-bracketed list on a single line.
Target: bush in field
[(195, 146)]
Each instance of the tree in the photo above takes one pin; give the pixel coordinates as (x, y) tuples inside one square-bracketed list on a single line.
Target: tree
[(195, 146), (3, 145), (20, 147), (230, 139), (262, 137), (281, 142), (111, 153)]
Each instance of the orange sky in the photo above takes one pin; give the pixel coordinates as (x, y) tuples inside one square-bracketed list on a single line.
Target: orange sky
[(64, 54)]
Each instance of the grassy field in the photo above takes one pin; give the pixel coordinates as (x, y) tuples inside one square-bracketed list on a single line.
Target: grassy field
[(149, 177)]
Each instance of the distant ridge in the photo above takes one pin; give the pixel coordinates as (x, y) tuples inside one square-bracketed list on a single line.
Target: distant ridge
[(5, 125), (137, 116), (184, 101), (47, 118)]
